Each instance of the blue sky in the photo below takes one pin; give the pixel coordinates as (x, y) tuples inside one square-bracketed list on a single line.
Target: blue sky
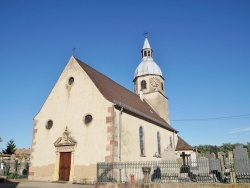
[(202, 48)]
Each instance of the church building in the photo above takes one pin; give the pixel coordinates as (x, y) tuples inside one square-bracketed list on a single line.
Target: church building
[(89, 118)]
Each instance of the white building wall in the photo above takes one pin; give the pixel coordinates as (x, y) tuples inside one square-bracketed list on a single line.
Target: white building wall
[(155, 96), (130, 150), (67, 106)]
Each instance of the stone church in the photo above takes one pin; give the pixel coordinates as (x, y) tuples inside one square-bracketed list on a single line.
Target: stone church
[(89, 118)]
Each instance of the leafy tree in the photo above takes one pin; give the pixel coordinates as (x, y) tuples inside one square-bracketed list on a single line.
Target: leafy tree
[(204, 148), (225, 147), (248, 148), (11, 147)]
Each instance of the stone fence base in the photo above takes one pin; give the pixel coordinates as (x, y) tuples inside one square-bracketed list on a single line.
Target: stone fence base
[(170, 185)]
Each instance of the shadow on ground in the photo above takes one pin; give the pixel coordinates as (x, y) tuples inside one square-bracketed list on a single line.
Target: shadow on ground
[(8, 184)]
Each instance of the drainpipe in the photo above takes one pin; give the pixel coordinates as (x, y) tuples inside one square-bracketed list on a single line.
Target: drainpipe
[(120, 138)]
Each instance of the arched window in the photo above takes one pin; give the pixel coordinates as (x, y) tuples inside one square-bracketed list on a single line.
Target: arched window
[(145, 53), (141, 133), (171, 142), (148, 53), (162, 88), (143, 84), (159, 143)]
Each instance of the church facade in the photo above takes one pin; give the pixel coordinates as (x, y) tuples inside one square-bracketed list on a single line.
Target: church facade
[(89, 118)]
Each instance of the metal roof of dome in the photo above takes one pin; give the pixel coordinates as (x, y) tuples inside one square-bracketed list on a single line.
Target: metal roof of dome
[(147, 65)]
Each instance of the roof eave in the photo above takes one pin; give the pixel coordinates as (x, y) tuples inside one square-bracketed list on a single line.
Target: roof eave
[(140, 114)]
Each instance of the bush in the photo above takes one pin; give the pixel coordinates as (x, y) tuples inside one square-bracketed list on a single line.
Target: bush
[(13, 176)]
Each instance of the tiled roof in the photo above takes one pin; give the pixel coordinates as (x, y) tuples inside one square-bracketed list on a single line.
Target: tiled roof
[(4, 155), (122, 97), (23, 151), (183, 145)]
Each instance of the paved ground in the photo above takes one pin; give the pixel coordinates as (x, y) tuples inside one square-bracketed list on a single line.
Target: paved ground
[(33, 184)]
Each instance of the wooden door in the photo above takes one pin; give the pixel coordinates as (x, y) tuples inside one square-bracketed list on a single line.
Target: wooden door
[(64, 167)]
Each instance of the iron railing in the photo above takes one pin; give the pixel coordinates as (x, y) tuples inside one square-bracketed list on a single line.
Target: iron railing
[(201, 170)]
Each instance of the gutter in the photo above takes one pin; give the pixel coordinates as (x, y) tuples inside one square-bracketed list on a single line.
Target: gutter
[(130, 109)]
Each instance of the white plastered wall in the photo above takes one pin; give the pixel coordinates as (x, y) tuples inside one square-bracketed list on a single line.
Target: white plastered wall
[(67, 106), (155, 96), (130, 150)]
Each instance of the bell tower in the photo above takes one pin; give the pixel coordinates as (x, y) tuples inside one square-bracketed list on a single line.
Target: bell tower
[(149, 82)]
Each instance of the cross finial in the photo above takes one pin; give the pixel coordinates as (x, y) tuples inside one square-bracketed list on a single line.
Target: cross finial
[(74, 51), (146, 34)]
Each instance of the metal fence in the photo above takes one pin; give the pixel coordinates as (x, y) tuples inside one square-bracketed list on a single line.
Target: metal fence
[(14, 169), (201, 170)]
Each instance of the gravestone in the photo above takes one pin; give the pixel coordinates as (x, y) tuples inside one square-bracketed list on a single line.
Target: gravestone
[(215, 169), (203, 170), (213, 155), (23, 166), (230, 155), (12, 164), (214, 165), (240, 152), (185, 173), (216, 152), (169, 154), (169, 165), (146, 174), (1, 168), (193, 163), (222, 157), (241, 163), (203, 166), (193, 156), (230, 161), (185, 160), (224, 166)]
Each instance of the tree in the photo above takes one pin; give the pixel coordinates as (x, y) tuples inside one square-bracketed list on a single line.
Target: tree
[(225, 147), (204, 148), (11, 147), (248, 148)]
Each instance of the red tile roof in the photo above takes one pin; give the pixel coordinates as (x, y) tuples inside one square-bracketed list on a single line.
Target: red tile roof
[(4, 155), (122, 97), (22, 151), (183, 145)]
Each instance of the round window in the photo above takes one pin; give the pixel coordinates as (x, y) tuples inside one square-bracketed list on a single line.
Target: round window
[(71, 80), (88, 119), (49, 124)]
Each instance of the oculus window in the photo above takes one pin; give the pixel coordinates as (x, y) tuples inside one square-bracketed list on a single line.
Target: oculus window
[(49, 124), (71, 80), (88, 118)]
